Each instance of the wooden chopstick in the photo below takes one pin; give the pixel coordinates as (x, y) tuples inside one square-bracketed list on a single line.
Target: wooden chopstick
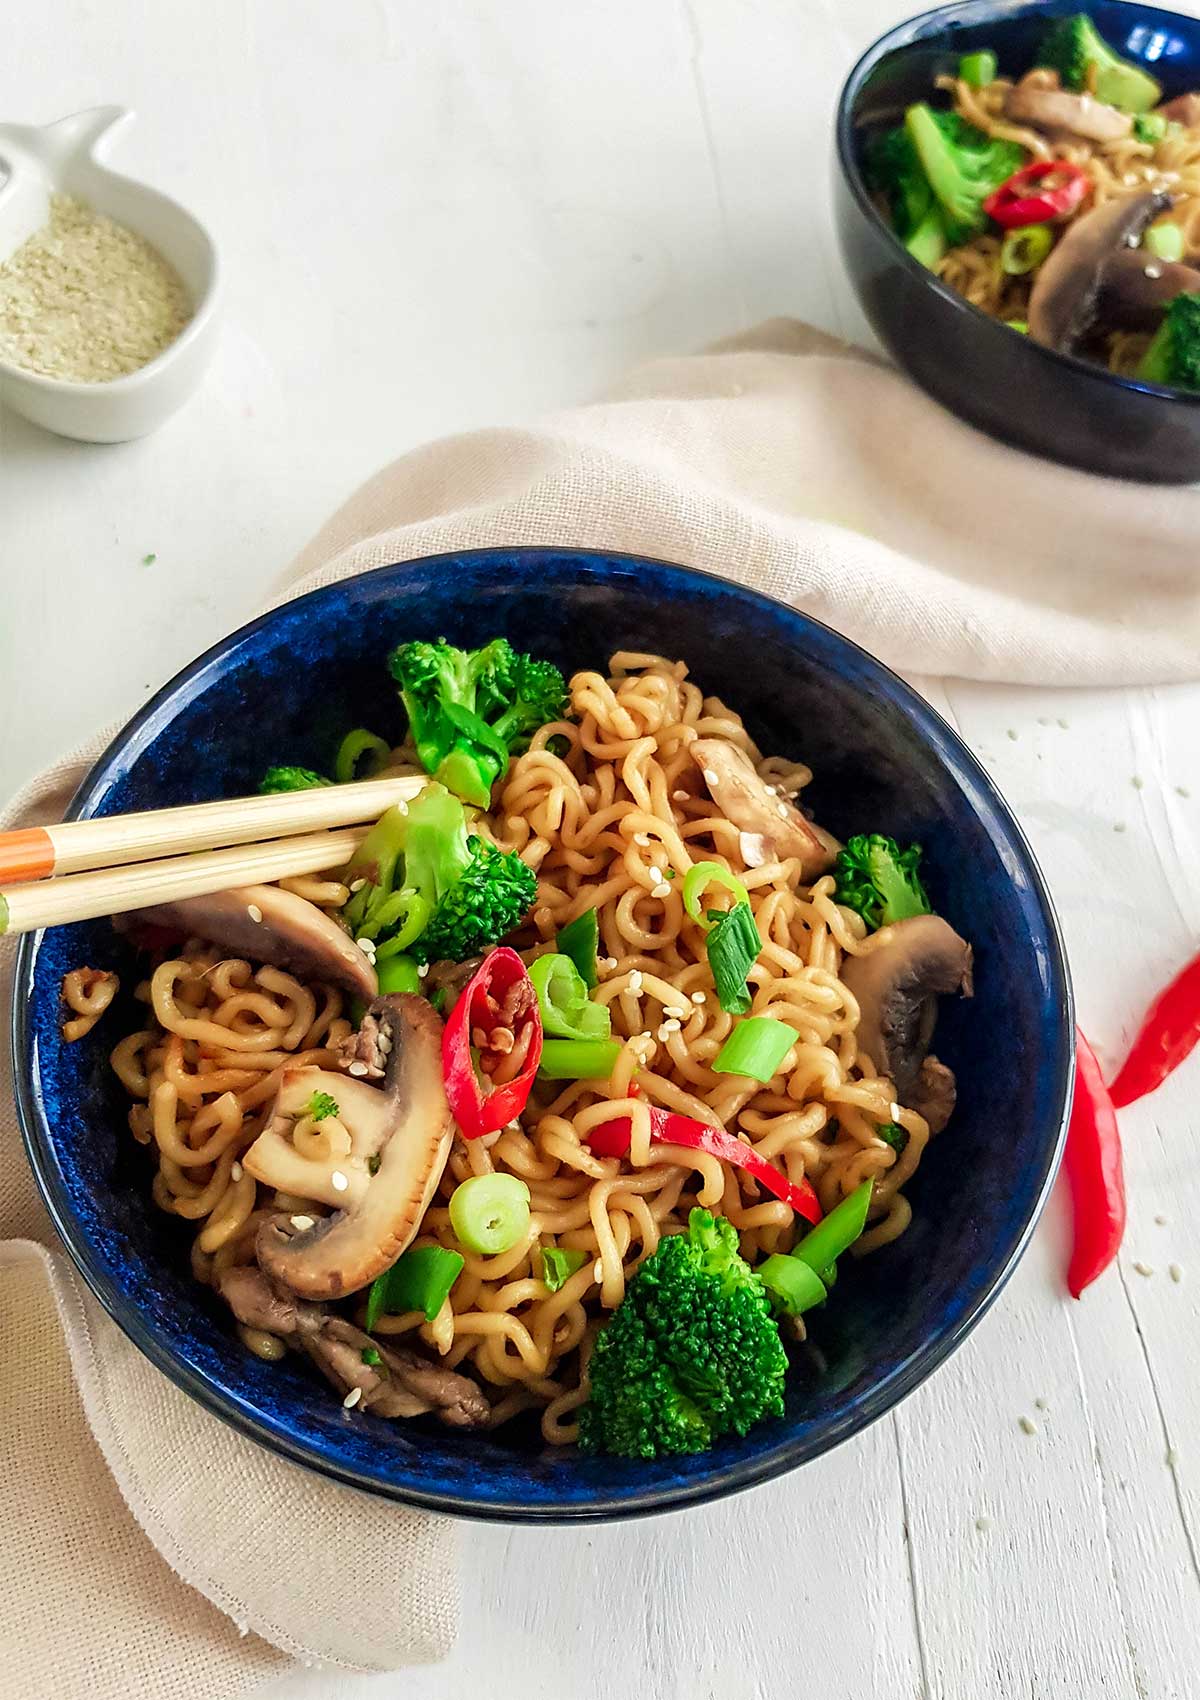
[(37, 852), (140, 885)]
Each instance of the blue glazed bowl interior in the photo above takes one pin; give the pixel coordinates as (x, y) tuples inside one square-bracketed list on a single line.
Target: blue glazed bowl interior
[(286, 688)]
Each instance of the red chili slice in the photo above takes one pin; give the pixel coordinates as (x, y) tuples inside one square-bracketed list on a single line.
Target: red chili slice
[(476, 1110), (1040, 193), (1095, 1173)]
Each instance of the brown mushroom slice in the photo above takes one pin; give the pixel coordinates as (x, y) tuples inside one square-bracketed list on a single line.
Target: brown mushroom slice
[(1067, 289), (935, 1094), (1135, 287), (345, 1251), (1058, 110), (339, 1181), (266, 924), (1183, 109), (896, 986), (743, 798), (402, 1384)]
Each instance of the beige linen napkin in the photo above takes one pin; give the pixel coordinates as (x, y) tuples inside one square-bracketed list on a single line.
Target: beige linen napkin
[(197, 1564)]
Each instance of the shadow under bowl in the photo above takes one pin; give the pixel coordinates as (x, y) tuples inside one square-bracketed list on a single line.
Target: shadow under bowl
[(285, 688)]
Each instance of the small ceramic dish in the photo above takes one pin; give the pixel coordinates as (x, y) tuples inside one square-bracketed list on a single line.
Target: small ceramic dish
[(67, 158), (291, 683)]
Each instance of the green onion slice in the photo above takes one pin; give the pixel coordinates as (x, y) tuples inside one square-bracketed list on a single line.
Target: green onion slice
[(791, 1283), (733, 947), (353, 747), (397, 973), (978, 69), (567, 1011), (1164, 241), (756, 1047), (579, 1059), (699, 877), (559, 1263), (1024, 250), (420, 1279), (837, 1232), (580, 940), (489, 1213)]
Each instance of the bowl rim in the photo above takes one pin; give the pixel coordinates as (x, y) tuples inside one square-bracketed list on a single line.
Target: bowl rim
[(773, 1460), (903, 34)]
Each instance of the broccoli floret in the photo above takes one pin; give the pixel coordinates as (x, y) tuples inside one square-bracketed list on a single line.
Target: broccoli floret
[(879, 880), (1084, 60), (1173, 357), (962, 165), (894, 171), (432, 889), (1154, 127), (692, 1352), (894, 1135), (321, 1106), (470, 711), (291, 779)]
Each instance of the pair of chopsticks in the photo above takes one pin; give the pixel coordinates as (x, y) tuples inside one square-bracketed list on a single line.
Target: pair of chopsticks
[(50, 875)]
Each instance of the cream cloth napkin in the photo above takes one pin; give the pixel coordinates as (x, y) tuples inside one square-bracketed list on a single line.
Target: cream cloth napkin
[(196, 1564)]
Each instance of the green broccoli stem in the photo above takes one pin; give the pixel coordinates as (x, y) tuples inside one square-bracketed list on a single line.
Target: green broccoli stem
[(436, 851), (927, 243), (470, 773), (1155, 365)]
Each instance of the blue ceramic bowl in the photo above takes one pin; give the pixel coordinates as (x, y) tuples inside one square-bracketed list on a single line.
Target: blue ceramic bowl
[(286, 687), (1053, 404)]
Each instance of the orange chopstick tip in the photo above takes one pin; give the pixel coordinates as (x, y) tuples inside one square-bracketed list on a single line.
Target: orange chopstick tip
[(26, 855)]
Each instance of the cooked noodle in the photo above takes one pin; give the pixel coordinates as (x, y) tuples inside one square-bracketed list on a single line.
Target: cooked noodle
[(609, 822), (1116, 168)]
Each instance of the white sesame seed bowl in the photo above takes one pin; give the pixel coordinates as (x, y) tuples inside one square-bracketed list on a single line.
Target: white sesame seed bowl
[(122, 363)]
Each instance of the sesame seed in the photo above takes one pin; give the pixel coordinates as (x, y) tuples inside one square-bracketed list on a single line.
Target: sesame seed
[(235, 1171), (1182, 791), (1130, 177), (1027, 1425), (1063, 723), (1154, 271), (1119, 826), (676, 1011), (597, 1270), (1172, 1457), (1132, 240), (357, 885), (983, 1524), (357, 1069), (642, 838), (1144, 1268), (662, 890), (302, 1223), (1138, 783), (772, 790), (781, 810), (671, 1025), (338, 1181), (542, 917), (657, 873), (352, 1398), (711, 778), (1042, 1404), (422, 970), (1012, 732), (1161, 1220), (1043, 720), (894, 1112), (699, 997), (635, 980), (1175, 1271), (254, 912), (681, 796)]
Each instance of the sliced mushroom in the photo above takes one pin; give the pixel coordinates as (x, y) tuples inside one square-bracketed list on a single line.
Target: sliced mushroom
[(1135, 287), (1183, 109), (365, 1113), (402, 1384), (896, 986), (403, 1138), (935, 1094), (1067, 290), (1059, 111), (266, 924), (743, 798)]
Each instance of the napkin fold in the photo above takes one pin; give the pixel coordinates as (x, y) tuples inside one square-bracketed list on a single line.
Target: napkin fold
[(146, 1547)]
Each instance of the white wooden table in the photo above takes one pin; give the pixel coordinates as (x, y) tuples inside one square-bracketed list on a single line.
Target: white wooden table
[(440, 216)]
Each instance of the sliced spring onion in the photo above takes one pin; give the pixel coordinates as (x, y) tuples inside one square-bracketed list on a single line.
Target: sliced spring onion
[(1164, 241), (567, 1011), (696, 881), (733, 947), (559, 1263), (756, 1047), (349, 764), (892, 1134), (978, 69), (580, 940), (836, 1232), (791, 1283), (398, 973), (420, 1279), (489, 1213), (1024, 250), (579, 1059), (1021, 326), (371, 1357)]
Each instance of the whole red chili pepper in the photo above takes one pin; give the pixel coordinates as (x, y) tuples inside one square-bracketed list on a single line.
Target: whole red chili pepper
[(611, 1139), (477, 1110), (1048, 189), (1169, 1032), (1094, 1173)]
